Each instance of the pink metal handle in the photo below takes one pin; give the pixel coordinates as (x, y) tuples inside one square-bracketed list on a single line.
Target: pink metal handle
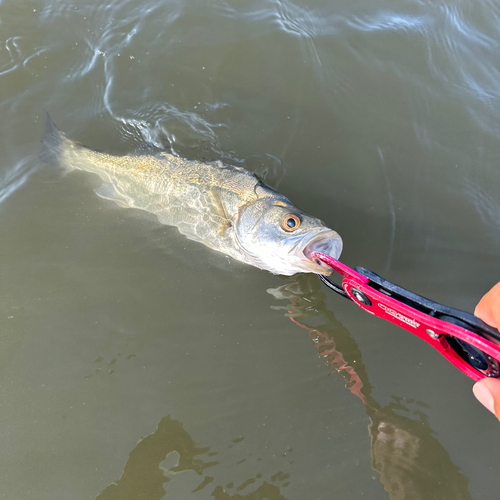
[(428, 328)]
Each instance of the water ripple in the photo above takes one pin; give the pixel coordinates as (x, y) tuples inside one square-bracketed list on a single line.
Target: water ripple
[(15, 177), (13, 53), (390, 21), (487, 205), (452, 44)]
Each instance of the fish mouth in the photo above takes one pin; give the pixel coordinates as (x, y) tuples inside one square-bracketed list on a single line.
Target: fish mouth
[(327, 242)]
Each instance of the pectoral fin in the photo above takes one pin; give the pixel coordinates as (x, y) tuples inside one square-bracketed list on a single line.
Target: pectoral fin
[(225, 221)]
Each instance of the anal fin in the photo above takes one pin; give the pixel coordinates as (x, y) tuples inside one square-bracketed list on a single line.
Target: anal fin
[(108, 192)]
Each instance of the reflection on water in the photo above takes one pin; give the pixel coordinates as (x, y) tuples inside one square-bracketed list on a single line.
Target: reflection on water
[(144, 477), (411, 462), (148, 470), (405, 452)]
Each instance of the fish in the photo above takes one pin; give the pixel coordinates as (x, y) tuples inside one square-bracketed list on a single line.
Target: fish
[(225, 207)]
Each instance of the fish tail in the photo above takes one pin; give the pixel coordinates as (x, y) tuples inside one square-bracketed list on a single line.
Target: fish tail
[(52, 143)]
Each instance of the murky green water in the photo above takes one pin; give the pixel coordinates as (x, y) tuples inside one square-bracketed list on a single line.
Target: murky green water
[(135, 364)]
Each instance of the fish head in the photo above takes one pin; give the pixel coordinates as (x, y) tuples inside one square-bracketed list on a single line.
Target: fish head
[(275, 235)]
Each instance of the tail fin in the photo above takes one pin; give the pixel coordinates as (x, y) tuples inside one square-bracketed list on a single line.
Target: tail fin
[(52, 143)]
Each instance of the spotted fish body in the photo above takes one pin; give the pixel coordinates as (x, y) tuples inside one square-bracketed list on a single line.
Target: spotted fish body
[(222, 206)]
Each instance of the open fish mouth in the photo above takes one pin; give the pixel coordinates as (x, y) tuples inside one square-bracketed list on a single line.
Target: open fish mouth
[(327, 242)]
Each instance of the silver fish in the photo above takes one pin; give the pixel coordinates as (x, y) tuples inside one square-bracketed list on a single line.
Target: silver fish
[(226, 208)]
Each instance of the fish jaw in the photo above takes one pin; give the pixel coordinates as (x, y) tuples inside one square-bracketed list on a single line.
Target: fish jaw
[(298, 259), (327, 242)]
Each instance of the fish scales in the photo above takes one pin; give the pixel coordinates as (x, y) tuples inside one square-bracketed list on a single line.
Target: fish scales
[(199, 198)]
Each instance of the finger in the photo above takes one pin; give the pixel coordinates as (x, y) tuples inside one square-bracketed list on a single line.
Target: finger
[(488, 308), (487, 392)]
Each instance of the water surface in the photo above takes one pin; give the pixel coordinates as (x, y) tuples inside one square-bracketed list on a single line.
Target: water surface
[(135, 364)]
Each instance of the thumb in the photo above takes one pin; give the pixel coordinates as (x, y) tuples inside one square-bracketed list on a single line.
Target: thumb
[(487, 392)]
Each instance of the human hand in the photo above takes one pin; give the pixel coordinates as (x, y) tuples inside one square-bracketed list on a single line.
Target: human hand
[(487, 390)]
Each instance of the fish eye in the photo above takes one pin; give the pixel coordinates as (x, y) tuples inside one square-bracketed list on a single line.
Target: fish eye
[(290, 222)]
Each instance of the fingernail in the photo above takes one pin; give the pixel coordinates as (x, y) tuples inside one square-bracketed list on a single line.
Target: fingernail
[(484, 396)]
